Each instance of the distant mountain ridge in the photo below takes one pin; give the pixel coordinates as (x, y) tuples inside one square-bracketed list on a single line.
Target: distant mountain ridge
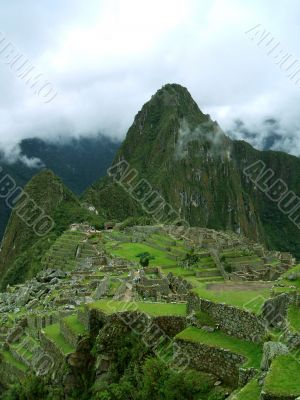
[(78, 162)]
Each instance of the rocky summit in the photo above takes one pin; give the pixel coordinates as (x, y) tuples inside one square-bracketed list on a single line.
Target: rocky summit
[(173, 278)]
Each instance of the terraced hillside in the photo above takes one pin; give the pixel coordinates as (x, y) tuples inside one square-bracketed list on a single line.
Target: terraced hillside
[(95, 313)]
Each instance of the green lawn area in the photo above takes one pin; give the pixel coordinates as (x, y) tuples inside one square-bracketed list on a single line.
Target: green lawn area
[(167, 241), (252, 351), (283, 377), (178, 271), (8, 358), (76, 326), (249, 392), (53, 333), (251, 300), (129, 251), (153, 309), (159, 238), (294, 317)]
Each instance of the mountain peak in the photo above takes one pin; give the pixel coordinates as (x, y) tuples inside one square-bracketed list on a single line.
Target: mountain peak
[(173, 95), (160, 125)]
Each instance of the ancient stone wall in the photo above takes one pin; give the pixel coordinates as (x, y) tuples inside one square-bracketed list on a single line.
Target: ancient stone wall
[(270, 396), (170, 325), (232, 320), (220, 362), (275, 309), (68, 334)]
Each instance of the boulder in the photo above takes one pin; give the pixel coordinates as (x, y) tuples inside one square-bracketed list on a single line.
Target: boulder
[(270, 351)]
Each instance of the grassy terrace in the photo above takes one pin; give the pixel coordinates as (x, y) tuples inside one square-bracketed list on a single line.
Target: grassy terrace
[(74, 325), (294, 317), (178, 271), (9, 359), (251, 300), (249, 392), (283, 377), (52, 332), (152, 309), (289, 286), (130, 250), (252, 351)]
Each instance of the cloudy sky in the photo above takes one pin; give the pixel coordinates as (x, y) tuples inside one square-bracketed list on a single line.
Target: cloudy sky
[(105, 58)]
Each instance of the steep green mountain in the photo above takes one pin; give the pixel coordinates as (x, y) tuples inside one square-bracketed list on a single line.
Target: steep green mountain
[(78, 162), (24, 244), (198, 170)]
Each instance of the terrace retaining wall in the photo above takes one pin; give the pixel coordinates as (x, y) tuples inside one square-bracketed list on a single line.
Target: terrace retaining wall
[(50, 348), (232, 320), (270, 396), (217, 361), (68, 334), (171, 326)]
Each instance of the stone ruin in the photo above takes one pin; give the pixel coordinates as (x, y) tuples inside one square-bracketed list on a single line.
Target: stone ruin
[(83, 227), (159, 286)]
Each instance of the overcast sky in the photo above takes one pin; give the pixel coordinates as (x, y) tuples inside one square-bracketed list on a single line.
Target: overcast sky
[(106, 58)]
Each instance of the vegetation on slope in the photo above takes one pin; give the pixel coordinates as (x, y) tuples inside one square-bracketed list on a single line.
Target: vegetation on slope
[(283, 377), (22, 249)]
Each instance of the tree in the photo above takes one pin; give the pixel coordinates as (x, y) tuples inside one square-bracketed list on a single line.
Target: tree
[(190, 258), (145, 258)]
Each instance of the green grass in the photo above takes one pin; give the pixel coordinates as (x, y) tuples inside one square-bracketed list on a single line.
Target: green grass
[(252, 351), (76, 326), (294, 317), (251, 300), (178, 271), (129, 251), (22, 351), (283, 377), (287, 283), (9, 359), (249, 392), (53, 333), (153, 309), (159, 238)]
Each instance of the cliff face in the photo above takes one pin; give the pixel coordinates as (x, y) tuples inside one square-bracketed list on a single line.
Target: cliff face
[(198, 170)]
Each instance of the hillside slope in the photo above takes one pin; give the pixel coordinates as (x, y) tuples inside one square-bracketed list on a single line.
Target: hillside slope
[(198, 170), (22, 248), (78, 162)]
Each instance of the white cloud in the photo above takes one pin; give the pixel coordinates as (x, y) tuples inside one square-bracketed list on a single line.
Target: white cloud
[(108, 57)]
